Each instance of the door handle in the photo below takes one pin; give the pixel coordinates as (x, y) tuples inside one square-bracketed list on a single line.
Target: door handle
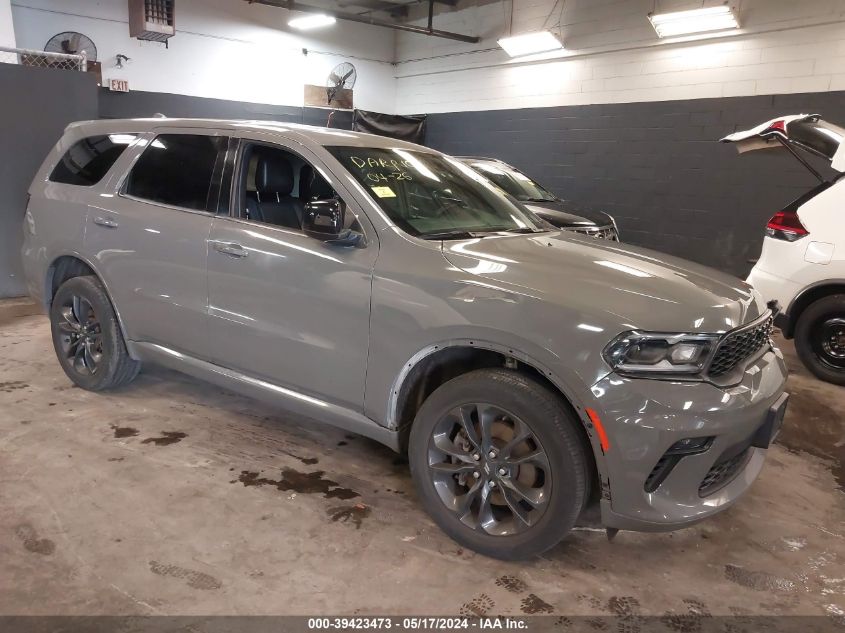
[(232, 249), (106, 222)]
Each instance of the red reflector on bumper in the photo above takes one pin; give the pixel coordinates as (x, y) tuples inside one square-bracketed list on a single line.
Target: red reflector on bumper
[(594, 418)]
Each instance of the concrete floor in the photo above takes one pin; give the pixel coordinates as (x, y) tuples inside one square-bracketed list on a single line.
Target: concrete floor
[(173, 497)]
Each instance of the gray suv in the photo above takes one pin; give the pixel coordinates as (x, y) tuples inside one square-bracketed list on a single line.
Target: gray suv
[(392, 291)]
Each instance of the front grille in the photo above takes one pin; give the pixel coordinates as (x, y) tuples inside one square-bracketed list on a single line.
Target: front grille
[(602, 232), (740, 345), (722, 473)]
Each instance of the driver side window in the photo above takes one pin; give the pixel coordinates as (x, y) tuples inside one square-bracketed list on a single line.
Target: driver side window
[(275, 185)]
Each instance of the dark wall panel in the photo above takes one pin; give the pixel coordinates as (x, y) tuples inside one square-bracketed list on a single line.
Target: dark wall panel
[(124, 105), (36, 106), (657, 167)]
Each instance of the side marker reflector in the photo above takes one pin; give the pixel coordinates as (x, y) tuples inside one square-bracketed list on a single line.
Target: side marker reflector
[(594, 418)]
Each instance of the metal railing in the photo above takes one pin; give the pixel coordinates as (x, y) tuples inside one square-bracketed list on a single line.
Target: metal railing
[(42, 59)]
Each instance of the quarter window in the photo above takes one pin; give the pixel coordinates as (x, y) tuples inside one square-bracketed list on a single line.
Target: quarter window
[(176, 169), (88, 160)]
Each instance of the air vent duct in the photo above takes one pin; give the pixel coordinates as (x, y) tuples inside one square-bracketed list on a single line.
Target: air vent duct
[(152, 20)]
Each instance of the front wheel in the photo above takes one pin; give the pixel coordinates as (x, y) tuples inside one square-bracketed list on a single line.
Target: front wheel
[(820, 338), (499, 463), (87, 337)]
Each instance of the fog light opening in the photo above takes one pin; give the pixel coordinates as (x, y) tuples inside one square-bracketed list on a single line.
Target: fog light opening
[(690, 446)]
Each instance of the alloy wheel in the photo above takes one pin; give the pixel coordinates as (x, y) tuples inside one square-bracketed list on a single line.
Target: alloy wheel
[(489, 468), (81, 335)]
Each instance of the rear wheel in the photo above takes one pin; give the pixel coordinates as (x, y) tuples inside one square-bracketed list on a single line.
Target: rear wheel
[(499, 463), (87, 338), (820, 338)]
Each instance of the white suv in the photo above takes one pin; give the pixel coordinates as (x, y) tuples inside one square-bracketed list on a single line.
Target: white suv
[(802, 265)]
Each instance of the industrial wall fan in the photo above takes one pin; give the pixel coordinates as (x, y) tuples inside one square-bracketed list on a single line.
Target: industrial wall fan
[(342, 77), (72, 43)]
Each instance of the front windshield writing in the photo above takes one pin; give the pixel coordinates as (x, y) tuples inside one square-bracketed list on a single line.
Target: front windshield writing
[(429, 194)]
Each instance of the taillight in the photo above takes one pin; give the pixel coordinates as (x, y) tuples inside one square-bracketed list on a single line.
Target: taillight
[(785, 225)]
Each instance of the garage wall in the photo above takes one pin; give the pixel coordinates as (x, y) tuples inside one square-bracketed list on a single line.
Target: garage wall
[(614, 56), (36, 106), (628, 123), (118, 105), (655, 166), (224, 49), (7, 31)]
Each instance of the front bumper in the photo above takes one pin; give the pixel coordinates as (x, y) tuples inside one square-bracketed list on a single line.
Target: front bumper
[(643, 418)]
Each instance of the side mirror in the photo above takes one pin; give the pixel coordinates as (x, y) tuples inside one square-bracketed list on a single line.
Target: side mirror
[(323, 220)]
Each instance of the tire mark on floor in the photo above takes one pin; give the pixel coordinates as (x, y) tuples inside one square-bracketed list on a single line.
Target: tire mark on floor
[(194, 579)]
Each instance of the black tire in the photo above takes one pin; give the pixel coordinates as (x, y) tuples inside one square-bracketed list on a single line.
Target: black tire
[(555, 432), (94, 355), (819, 327)]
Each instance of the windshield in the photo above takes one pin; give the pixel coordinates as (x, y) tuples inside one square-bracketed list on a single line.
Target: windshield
[(512, 181), (434, 196)]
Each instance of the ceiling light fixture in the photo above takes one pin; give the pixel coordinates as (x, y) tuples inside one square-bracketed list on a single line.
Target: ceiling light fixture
[(530, 43), (308, 22), (719, 18)]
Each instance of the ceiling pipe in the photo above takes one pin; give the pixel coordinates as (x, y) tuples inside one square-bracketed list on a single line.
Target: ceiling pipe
[(291, 5)]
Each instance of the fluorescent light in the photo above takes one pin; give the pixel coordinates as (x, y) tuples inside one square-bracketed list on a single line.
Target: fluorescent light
[(695, 21), (314, 21), (529, 43)]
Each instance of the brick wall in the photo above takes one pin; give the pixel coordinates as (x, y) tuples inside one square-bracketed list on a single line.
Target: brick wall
[(655, 166), (614, 56)]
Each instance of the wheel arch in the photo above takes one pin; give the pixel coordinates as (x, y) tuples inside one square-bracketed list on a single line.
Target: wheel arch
[(807, 296), (437, 363), (72, 264)]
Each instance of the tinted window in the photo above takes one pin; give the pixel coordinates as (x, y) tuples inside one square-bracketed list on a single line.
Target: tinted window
[(176, 169), (88, 160), (820, 136), (512, 181)]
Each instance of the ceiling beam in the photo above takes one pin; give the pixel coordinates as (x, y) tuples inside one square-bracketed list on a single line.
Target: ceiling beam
[(292, 5)]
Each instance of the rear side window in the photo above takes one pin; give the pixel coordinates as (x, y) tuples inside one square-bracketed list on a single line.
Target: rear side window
[(176, 169), (88, 160)]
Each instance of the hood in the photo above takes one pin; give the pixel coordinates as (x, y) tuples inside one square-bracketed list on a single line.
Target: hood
[(808, 132), (606, 285), (567, 215)]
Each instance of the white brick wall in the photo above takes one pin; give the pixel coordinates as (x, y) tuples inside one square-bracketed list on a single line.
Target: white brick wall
[(784, 47), (224, 49), (230, 49), (7, 32)]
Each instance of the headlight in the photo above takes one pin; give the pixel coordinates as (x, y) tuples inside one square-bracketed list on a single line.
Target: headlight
[(653, 353)]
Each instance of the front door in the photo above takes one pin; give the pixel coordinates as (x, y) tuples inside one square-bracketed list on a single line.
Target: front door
[(150, 238), (285, 307)]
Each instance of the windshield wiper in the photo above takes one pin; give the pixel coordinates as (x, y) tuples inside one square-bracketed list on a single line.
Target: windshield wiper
[(450, 235), (459, 234), (523, 229)]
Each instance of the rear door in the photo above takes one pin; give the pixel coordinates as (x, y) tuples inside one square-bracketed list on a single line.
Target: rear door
[(149, 236)]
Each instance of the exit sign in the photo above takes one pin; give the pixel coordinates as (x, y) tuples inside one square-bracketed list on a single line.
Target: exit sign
[(119, 85)]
